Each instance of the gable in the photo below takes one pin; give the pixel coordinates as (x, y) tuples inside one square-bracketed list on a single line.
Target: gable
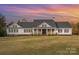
[(49, 22), (44, 24), (14, 25)]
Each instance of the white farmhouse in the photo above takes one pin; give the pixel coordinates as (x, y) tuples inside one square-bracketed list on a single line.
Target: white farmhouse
[(40, 27)]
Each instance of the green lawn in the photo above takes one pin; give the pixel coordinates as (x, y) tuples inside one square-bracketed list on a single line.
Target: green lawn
[(39, 45)]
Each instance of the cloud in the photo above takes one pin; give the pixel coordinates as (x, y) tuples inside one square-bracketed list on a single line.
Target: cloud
[(40, 10)]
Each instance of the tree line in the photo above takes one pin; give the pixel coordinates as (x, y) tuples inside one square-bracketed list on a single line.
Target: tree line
[(3, 27)]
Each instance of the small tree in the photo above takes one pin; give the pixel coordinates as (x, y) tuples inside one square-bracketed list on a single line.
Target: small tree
[(78, 27), (2, 26), (74, 29)]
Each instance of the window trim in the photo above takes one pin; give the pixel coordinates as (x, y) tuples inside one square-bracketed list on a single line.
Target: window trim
[(60, 30), (66, 30), (13, 30), (27, 30)]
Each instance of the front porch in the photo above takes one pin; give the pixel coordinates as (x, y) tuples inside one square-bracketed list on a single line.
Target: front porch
[(44, 31)]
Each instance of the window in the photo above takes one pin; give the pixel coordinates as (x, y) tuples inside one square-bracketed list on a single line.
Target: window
[(52, 30), (27, 30), (10, 30), (30, 30), (66, 30), (59, 30), (34, 29), (44, 25), (48, 30), (14, 26), (39, 29), (13, 30)]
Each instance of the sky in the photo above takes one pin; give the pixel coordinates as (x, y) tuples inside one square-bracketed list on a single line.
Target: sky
[(31, 11)]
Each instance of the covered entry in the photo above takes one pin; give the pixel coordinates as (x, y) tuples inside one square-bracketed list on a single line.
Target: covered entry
[(43, 31)]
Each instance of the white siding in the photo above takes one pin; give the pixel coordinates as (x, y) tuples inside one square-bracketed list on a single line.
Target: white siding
[(64, 33), (55, 31), (20, 32)]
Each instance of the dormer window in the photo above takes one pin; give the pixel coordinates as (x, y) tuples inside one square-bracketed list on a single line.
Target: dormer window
[(14, 26), (44, 25)]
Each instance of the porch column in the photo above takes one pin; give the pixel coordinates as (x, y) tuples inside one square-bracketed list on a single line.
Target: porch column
[(46, 31), (41, 31), (55, 31), (37, 31), (51, 31), (33, 31)]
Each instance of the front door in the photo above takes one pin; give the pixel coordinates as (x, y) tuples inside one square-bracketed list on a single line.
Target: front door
[(44, 31)]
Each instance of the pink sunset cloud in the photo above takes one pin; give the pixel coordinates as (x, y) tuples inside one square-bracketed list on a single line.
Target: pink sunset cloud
[(45, 10)]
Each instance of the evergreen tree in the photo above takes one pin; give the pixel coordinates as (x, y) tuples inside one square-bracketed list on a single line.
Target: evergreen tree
[(2, 26)]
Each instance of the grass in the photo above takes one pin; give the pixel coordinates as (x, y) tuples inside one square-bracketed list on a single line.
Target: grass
[(39, 45)]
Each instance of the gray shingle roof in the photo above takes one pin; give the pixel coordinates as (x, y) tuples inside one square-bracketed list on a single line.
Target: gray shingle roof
[(63, 25), (48, 21), (36, 23), (51, 22), (26, 24)]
